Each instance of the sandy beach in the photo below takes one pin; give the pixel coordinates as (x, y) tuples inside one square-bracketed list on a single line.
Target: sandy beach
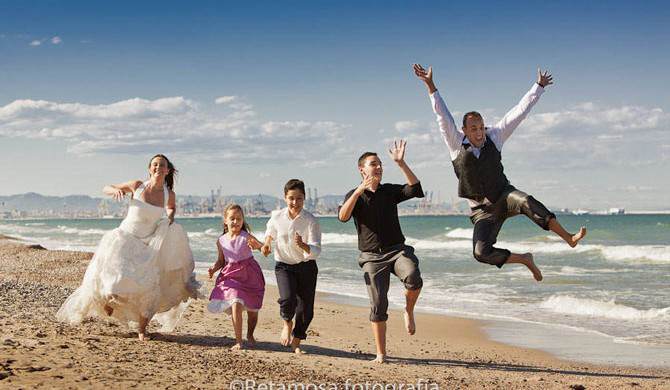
[(38, 352)]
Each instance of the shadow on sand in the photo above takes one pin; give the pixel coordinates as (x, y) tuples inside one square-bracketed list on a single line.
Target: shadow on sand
[(215, 341)]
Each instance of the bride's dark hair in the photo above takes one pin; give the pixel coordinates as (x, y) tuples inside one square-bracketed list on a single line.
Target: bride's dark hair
[(172, 171)]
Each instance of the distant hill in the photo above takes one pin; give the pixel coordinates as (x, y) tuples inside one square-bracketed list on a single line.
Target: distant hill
[(32, 201)]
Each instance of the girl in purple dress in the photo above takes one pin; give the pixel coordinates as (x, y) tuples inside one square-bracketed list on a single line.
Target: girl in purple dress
[(240, 285)]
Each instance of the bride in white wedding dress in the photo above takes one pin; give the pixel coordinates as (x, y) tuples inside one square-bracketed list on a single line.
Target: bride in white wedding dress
[(143, 269)]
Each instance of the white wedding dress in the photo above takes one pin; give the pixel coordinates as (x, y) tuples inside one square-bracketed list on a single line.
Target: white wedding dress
[(142, 268)]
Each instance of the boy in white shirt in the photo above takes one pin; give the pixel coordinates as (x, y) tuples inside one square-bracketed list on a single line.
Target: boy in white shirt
[(298, 243)]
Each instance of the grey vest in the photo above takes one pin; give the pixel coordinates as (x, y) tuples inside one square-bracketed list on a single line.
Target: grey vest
[(482, 177)]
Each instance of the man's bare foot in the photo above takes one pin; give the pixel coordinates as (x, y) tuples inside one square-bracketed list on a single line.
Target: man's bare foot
[(409, 322), (528, 257), (237, 347), (295, 346), (108, 309), (251, 340), (577, 237), (379, 359), (286, 333)]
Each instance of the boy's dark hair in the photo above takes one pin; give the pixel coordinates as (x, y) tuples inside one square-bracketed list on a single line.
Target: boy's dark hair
[(294, 184), (472, 114), (365, 155)]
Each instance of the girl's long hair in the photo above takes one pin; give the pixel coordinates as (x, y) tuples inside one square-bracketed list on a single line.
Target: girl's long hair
[(172, 171), (230, 207)]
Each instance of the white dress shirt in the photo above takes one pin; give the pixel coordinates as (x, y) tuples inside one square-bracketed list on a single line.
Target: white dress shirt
[(499, 133), (282, 229)]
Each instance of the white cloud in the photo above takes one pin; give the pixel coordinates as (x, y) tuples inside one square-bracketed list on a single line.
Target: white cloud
[(35, 42), (225, 99), (406, 126), (173, 124), (56, 40), (589, 116)]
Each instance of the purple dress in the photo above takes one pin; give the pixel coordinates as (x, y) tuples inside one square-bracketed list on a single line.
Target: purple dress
[(240, 280)]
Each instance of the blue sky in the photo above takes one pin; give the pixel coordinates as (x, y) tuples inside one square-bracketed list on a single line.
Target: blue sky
[(90, 90)]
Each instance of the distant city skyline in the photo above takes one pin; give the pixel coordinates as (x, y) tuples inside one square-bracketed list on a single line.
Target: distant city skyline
[(247, 96)]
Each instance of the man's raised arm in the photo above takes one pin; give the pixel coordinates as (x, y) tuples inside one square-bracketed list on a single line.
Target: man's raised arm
[(506, 126), (450, 134)]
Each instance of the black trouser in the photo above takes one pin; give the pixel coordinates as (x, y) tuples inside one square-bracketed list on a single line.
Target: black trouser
[(378, 267), (488, 219), (297, 287)]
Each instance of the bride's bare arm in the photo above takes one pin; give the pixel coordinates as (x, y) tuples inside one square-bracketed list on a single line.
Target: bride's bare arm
[(171, 206), (117, 191)]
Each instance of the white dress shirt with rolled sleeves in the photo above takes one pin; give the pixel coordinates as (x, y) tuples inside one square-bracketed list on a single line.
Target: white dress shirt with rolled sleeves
[(499, 133), (282, 229)]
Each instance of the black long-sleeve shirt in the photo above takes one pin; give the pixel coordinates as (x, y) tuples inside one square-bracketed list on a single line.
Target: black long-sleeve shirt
[(376, 215)]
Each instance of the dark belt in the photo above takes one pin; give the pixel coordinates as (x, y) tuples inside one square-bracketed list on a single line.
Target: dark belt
[(386, 249)]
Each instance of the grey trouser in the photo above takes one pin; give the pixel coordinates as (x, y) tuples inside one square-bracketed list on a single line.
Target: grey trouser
[(489, 218), (377, 267)]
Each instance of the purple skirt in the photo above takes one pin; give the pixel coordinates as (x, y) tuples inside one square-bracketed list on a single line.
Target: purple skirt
[(240, 281)]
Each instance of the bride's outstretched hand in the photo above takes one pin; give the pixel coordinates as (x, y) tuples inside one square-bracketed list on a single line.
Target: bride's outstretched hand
[(118, 195)]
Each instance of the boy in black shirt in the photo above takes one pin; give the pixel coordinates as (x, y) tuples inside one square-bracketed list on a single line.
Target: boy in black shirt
[(380, 240)]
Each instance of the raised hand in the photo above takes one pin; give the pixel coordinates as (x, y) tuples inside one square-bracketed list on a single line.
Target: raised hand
[(544, 78), (425, 75), (397, 151)]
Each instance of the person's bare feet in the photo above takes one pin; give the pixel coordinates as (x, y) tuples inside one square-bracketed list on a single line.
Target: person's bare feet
[(530, 263), (409, 321), (295, 346), (108, 310), (577, 237), (143, 337), (237, 347), (286, 333), (251, 340), (380, 359)]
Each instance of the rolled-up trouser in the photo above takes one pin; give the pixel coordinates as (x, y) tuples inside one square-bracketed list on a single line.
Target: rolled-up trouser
[(488, 218), (377, 267), (297, 287)]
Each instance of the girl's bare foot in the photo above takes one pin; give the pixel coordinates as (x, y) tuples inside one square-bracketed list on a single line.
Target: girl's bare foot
[(286, 333), (409, 322), (379, 359), (143, 337), (251, 340), (577, 237), (237, 347)]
